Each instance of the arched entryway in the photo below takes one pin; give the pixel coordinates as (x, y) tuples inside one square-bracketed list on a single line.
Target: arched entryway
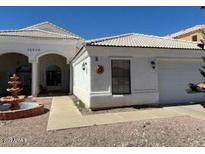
[(15, 63), (53, 74)]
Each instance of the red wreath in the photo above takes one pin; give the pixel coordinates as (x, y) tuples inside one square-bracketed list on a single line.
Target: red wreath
[(99, 69)]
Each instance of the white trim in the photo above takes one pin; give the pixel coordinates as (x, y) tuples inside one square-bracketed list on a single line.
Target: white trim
[(78, 54), (48, 52), (8, 51)]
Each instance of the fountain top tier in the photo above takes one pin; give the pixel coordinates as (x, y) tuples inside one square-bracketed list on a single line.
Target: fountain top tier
[(14, 81), (14, 90)]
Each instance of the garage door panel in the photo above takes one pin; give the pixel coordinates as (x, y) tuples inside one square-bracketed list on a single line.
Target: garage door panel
[(174, 77)]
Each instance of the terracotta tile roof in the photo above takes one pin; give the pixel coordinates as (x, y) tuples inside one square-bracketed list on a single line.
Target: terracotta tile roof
[(42, 30), (48, 26), (34, 34), (141, 40)]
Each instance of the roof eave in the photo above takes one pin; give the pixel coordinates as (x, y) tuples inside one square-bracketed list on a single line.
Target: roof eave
[(35, 37), (88, 44)]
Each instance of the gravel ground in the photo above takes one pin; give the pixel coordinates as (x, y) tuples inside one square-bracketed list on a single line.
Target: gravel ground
[(179, 131)]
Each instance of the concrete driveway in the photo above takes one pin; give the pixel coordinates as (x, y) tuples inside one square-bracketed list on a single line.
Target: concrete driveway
[(195, 110), (64, 114)]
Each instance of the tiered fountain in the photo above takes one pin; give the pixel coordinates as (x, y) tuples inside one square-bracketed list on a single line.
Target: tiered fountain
[(13, 107), (14, 99)]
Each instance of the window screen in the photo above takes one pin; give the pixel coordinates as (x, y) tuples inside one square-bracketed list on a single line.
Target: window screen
[(120, 76)]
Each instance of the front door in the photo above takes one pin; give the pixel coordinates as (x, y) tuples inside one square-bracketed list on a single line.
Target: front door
[(53, 78)]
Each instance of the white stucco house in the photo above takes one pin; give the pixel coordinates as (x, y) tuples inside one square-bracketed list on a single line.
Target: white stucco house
[(40, 55), (123, 70)]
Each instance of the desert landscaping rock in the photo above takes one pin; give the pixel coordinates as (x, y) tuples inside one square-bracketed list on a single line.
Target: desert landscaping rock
[(178, 131)]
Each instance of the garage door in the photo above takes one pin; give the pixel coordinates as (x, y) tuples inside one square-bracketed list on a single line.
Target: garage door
[(174, 77)]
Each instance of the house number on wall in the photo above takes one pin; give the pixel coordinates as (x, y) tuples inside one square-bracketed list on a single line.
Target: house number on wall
[(33, 49)]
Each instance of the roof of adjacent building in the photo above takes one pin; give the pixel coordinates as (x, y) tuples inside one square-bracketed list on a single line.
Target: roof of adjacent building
[(185, 31), (141, 40), (41, 30)]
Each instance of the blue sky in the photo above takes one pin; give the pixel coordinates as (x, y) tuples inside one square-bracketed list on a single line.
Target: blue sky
[(93, 22)]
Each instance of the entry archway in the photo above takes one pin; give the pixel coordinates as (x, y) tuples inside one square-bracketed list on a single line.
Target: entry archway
[(15, 63), (54, 73)]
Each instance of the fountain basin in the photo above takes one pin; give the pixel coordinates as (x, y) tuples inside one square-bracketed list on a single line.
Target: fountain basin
[(26, 109)]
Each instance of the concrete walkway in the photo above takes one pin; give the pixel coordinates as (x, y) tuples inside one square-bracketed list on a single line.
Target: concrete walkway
[(64, 114)]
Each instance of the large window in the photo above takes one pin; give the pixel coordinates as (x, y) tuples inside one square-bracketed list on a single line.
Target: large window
[(120, 76), (53, 75)]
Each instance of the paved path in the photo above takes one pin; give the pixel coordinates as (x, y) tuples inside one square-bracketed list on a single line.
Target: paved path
[(64, 114)]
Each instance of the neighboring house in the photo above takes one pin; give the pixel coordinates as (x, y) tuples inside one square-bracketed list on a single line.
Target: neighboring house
[(123, 70), (195, 34)]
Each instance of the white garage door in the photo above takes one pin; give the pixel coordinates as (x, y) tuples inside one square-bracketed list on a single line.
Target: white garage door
[(174, 77)]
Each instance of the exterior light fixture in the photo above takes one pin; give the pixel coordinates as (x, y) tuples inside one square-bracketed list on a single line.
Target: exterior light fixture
[(153, 64), (84, 66)]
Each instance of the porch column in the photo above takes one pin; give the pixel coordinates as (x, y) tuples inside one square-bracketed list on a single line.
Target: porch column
[(35, 80), (71, 79)]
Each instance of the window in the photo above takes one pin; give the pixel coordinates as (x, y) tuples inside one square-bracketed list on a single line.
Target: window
[(120, 76), (194, 38), (53, 75)]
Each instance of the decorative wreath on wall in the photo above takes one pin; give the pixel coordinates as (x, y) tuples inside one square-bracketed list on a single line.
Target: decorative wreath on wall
[(99, 69)]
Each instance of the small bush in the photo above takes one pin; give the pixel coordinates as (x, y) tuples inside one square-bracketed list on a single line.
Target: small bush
[(79, 104)]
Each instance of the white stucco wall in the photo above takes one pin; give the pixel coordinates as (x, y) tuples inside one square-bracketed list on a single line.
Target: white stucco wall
[(143, 83), (81, 78), (66, 48), (144, 79), (34, 48)]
